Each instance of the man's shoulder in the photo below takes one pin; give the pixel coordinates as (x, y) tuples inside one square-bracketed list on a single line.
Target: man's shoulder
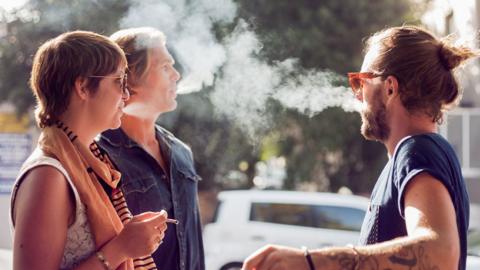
[(166, 134), (426, 152), (420, 145), (414, 153), (112, 140)]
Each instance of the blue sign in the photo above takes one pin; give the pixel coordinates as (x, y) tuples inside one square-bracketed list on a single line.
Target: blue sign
[(14, 150)]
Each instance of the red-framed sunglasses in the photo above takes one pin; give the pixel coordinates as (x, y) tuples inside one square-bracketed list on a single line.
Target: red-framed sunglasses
[(356, 79)]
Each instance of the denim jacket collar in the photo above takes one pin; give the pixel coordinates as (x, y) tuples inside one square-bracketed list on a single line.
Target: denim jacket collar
[(118, 137)]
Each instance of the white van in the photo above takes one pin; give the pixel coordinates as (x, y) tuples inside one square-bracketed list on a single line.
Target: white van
[(249, 219)]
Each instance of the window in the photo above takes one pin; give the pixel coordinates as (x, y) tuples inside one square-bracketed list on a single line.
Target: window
[(474, 141), (316, 216), (455, 134), (462, 130), (216, 211), (289, 214), (339, 218)]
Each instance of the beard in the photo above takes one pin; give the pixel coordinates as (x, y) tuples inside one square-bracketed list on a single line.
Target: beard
[(374, 121)]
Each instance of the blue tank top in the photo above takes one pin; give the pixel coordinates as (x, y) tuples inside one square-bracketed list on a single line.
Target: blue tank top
[(429, 153)]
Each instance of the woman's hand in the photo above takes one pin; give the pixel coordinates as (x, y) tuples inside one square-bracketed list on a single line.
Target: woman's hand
[(142, 235)]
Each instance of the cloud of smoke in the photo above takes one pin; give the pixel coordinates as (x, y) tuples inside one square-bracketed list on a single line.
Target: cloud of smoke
[(188, 27), (243, 83)]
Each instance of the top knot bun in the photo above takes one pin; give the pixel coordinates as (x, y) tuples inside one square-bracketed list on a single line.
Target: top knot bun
[(451, 56)]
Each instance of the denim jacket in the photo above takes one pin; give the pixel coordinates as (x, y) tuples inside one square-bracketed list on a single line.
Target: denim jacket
[(144, 190)]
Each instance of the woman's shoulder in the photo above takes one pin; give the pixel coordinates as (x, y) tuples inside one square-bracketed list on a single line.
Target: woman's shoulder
[(42, 174), (40, 186), (44, 179), (39, 159), (38, 156)]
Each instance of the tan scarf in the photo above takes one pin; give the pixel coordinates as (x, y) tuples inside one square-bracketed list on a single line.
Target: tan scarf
[(82, 165)]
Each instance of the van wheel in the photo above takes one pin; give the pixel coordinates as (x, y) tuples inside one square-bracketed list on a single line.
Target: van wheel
[(232, 266)]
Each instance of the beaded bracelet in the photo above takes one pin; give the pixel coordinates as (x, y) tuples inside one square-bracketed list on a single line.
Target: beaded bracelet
[(308, 258), (102, 259)]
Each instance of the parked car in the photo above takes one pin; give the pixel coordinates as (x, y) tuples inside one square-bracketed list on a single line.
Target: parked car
[(6, 259), (473, 260), (249, 219)]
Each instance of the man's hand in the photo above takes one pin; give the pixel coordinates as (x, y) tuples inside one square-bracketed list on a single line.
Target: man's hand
[(272, 257)]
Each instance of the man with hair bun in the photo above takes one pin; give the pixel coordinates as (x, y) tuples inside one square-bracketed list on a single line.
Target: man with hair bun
[(419, 208)]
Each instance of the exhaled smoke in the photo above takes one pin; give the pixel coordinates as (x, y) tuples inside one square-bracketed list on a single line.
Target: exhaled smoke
[(313, 92), (243, 83), (247, 83), (188, 27)]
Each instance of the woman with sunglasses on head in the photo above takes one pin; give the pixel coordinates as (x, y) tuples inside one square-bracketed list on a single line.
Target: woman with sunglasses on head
[(66, 210)]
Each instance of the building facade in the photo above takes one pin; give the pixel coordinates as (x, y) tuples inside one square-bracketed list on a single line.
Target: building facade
[(461, 20)]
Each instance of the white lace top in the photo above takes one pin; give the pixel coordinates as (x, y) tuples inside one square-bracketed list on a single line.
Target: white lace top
[(79, 243)]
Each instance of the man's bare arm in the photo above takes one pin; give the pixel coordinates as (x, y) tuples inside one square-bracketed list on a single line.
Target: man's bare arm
[(401, 253), (432, 241)]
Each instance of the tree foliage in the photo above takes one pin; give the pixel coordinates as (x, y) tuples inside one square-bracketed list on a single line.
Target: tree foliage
[(39, 20)]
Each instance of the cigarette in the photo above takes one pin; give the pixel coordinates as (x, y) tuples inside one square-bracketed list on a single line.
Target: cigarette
[(174, 221)]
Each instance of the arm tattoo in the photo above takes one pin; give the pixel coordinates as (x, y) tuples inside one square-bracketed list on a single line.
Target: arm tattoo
[(413, 257), (407, 258), (346, 262)]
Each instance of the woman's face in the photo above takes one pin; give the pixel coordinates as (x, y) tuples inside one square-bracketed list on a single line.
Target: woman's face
[(158, 91), (106, 104)]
